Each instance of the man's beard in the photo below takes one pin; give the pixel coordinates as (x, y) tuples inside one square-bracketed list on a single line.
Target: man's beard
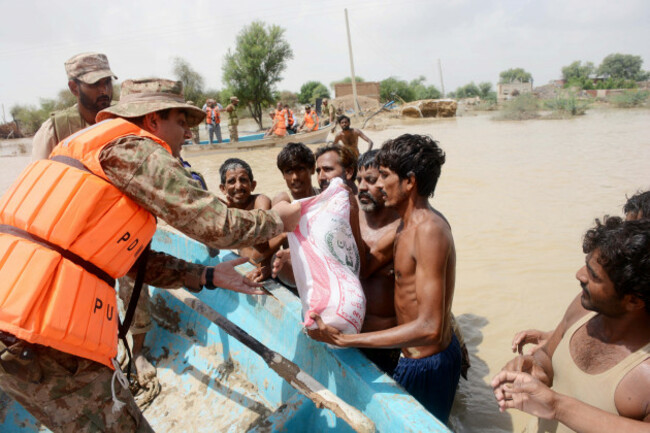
[(368, 207), (96, 106)]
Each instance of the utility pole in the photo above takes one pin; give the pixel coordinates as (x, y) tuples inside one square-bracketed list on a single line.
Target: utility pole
[(357, 108), (442, 84)]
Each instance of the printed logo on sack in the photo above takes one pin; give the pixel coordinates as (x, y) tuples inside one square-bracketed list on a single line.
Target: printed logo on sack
[(341, 246)]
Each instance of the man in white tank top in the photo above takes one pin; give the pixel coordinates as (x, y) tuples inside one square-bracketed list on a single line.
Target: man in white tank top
[(598, 358)]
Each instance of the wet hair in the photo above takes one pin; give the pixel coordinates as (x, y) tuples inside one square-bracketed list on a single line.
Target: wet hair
[(417, 155), (341, 117), (234, 164), (295, 154), (638, 204), (368, 159), (624, 248), (347, 157)]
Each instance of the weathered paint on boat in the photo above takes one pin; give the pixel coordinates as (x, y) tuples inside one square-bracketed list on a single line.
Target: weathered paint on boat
[(211, 382), (257, 141)]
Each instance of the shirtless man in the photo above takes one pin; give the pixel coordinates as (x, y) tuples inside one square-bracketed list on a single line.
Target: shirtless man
[(636, 208), (349, 137), (297, 164), (425, 268), (598, 358), (334, 161), (378, 225), (237, 184)]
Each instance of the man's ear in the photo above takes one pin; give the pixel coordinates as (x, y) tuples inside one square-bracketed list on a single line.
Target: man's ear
[(634, 303), (410, 182), (349, 174), (222, 188), (74, 87), (150, 122), (253, 185)]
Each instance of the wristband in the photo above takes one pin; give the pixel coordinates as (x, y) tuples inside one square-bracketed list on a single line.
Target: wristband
[(209, 278)]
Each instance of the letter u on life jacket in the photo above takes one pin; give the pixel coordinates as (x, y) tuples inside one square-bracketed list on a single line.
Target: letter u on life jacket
[(64, 234)]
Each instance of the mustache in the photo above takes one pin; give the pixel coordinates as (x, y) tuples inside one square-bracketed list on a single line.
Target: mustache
[(368, 196), (584, 286)]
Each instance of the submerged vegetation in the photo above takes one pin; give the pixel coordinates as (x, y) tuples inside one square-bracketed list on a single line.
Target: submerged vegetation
[(566, 106), (523, 107), (630, 99)]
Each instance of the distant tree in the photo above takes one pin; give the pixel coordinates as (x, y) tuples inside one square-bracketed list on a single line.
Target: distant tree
[(65, 99), (578, 70), (252, 70), (485, 91), (421, 91), (357, 79), (288, 97), (515, 74), (392, 88), (625, 66), (312, 90), (470, 90), (192, 81)]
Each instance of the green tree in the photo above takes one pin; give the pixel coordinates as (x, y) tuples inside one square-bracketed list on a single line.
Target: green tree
[(357, 79), (192, 81), (289, 98), (485, 91), (470, 90), (625, 66), (253, 69), (421, 91), (312, 90), (392, 88), (515, 74), (577, 70)]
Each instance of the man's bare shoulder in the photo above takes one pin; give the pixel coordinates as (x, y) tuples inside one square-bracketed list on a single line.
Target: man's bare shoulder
[(282, 196), (632, 395), (262, 202)]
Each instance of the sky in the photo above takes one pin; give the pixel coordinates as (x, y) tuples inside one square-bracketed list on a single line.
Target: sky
[(474, 39)]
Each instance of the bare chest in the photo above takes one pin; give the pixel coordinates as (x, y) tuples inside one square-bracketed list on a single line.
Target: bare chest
[(592, 355)]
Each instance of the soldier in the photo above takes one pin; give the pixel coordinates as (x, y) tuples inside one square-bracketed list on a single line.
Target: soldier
[(112, 179), (233, 120), (90, 80)]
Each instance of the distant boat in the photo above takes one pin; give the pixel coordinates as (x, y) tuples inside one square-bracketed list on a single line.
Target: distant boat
[(213, 383), (258, 141)]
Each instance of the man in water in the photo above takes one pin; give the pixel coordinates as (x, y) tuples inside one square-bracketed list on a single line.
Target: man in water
[(238, 184), (90, 80), (349, 137), (425, 269), (336, 161), (593, 374)]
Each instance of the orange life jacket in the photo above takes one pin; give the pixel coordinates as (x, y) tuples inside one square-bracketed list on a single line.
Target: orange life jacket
[(289, 117), (65, 233), (217, 115), (281, 123), (310, 118)]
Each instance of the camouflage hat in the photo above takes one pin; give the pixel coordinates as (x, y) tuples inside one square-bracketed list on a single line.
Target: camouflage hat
[(140, 97), (88, 68)]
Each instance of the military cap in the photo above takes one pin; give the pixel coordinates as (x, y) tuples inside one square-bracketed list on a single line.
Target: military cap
[(234, 98), (88, 68), (140, 97)]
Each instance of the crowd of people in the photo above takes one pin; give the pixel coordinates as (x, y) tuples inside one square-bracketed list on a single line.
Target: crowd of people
[(591, 374)]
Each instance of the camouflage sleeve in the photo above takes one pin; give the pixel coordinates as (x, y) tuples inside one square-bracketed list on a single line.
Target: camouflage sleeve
[(157, 181), (44, 141), (168, 272)]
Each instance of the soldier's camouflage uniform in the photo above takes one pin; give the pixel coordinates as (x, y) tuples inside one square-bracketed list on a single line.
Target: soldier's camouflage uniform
[(233, 121), (72, 394)]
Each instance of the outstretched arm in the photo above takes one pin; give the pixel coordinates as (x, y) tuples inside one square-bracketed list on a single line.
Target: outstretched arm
[(365, 137)]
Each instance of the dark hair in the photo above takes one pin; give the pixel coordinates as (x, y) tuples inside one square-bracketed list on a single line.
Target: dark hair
[(139, 121), (368, 159), (638, 204), (295, 154), (417, 155), (347, 157), (234, 164), (341, 117), (624, 248)]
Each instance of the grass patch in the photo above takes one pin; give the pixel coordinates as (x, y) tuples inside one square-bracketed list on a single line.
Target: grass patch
[(566, 106), (523, 107), (630, 99)]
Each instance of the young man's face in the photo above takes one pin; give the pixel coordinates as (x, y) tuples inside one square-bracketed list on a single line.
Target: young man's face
[(94, 97), (328, 167), (173, 130), (238, 188), (371, 197), (345, 124), (598, 293), (298, 179), (391, 186)]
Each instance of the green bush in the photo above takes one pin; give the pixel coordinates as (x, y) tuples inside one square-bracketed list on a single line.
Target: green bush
[(523, 107), (567, 105), (629, 99)]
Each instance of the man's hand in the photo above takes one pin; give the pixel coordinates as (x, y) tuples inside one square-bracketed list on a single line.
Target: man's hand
[(527, 364), (325, 333), (259, 274), (516, 390), (289, 213), (281, 257), (227, 277), (529, 336)]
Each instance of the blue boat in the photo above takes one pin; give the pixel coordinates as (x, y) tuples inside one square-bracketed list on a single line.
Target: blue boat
[(212, 382)]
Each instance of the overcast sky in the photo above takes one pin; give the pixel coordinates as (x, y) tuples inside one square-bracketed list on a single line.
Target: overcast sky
[(474, 39)]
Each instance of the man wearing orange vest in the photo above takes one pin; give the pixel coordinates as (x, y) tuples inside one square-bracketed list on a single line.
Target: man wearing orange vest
[(310, 122), (279, 127), (70, 225), (213, 120), (291, 119)]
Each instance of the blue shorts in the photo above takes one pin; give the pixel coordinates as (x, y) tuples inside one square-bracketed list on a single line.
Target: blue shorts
[(432, 380)]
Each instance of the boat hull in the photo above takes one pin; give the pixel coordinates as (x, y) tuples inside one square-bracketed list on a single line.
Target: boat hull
[(212, 382)]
